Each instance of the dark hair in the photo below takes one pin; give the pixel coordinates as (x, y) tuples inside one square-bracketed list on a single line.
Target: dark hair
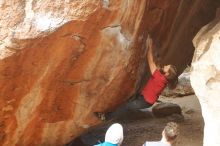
[(172, 77), (172, 72), (171, 131)]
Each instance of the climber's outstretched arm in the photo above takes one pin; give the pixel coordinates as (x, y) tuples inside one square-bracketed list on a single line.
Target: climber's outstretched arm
[(149, 45)]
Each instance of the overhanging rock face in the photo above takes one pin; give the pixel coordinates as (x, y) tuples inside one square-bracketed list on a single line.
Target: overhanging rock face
[(63, 60)]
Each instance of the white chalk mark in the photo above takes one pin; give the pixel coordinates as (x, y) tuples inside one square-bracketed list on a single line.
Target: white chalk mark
[(46, 22), (105, 3)]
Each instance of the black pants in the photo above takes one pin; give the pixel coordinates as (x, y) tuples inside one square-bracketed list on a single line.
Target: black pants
[(138, 103), (132, 105)]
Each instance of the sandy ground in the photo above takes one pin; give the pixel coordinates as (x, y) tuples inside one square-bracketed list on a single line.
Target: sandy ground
[(191, 127), (141, 127)]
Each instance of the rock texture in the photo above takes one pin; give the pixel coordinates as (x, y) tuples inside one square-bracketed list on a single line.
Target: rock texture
[(63, 60), (205, 78), (60, 61)]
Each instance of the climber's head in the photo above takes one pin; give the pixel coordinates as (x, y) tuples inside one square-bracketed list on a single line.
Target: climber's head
[(170, 73)]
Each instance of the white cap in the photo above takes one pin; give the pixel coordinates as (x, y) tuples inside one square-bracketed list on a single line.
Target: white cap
[(114, 134)]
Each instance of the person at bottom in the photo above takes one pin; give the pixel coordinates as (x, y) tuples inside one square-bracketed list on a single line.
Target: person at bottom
[(114, 136), (169, 135)]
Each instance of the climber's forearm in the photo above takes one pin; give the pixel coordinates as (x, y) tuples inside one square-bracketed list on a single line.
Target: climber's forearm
[(151, 63)]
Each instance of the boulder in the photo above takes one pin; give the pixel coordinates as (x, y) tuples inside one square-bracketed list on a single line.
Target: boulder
[(166, 109), (205, 78), (61, 61)]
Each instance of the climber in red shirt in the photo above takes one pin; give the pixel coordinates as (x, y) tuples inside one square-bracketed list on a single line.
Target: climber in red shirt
[(161, 77)]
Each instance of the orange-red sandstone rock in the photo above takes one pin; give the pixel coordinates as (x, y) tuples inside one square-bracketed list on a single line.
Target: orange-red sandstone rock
[(63, 60)]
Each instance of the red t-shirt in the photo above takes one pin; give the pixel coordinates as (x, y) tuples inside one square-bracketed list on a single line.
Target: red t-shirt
[(154, 87)]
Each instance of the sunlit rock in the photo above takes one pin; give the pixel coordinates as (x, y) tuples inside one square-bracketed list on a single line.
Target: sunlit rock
[(205, 79), (61, 61)]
